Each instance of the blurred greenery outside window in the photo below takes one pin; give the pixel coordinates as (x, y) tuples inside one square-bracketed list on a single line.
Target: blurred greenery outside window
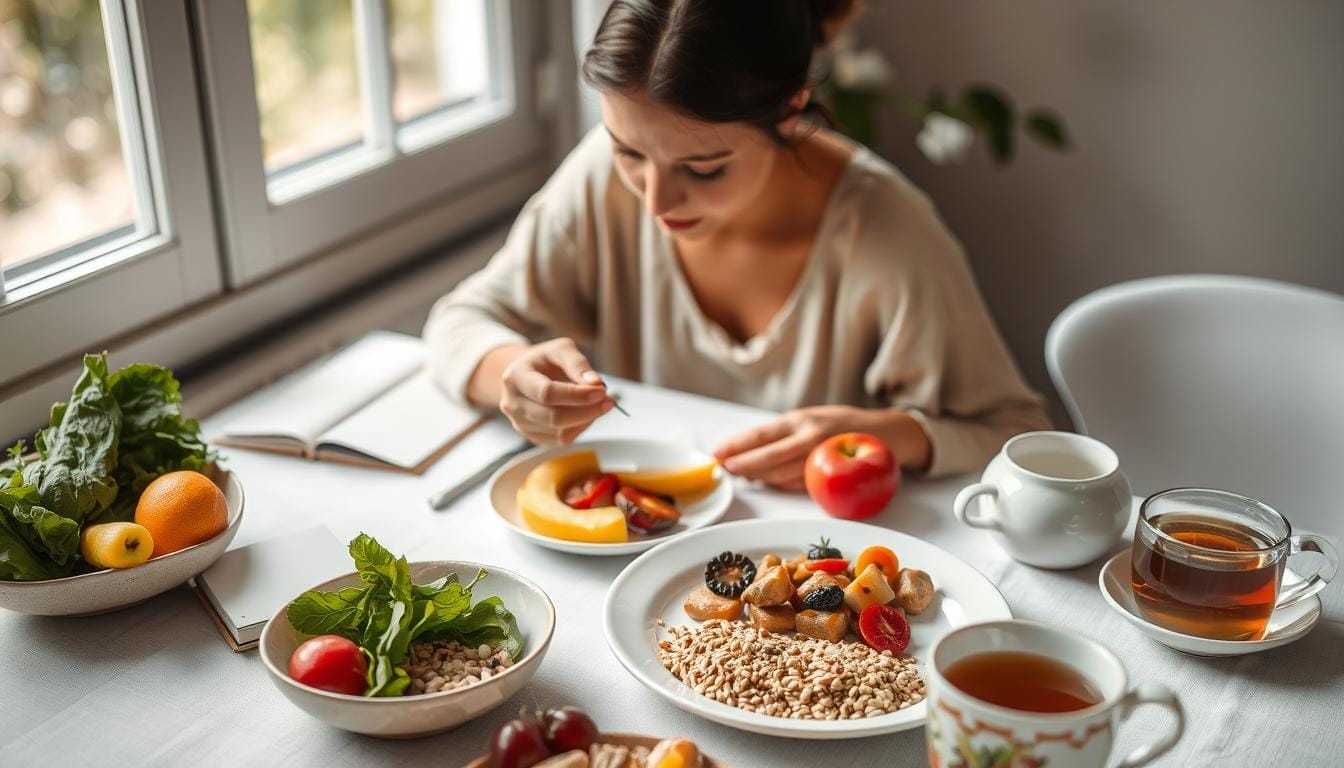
[(64, 178)]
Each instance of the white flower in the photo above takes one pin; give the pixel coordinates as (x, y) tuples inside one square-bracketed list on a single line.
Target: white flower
[(944, 139), (864, 70)]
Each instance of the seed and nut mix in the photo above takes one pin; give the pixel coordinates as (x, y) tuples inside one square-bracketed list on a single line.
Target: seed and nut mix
[(789, 676), (441, 666)]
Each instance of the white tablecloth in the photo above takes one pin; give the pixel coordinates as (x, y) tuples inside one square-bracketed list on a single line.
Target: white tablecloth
[(156, 685)]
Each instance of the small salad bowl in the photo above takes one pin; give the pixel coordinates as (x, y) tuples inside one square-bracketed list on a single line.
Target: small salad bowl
[(412, 716), (113, 589)]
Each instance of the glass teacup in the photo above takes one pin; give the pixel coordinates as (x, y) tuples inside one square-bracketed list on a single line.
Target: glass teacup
[(1210, 563)]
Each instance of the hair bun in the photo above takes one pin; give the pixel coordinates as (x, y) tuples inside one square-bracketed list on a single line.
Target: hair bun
[(829, 17)]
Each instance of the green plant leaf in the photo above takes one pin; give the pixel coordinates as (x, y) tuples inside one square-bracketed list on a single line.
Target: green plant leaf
[(1048, 129), (990, 110), (329, 613)]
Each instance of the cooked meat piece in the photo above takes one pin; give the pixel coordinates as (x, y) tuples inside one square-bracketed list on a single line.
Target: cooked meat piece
[(703, 605), (823, 625), (914, 590), (818, 581), (773, 587), (774, 618)]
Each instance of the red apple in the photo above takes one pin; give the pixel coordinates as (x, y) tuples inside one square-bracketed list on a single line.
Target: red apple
[(852, 475)]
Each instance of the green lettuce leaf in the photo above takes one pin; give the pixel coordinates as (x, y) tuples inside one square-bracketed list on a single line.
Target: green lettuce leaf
[(485, 623), (35, 543), (79, 449)]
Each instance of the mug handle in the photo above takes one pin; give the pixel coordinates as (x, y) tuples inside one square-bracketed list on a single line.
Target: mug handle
[(1307, 542), (1151, 693), (963, 502)]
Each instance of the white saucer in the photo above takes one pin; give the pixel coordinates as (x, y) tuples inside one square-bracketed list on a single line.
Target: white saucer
[(1285, 625)]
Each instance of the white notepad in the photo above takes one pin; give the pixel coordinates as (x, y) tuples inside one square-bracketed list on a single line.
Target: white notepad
[(372, 403), (246, 586)]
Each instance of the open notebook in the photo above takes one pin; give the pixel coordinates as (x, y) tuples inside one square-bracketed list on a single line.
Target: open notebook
[(372, 403)]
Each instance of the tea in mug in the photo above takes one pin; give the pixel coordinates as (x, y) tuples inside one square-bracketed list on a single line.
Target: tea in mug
[(1026, 682), (1197, 589)]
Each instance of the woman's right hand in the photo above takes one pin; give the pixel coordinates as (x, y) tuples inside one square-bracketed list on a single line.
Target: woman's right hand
[(551, 394)]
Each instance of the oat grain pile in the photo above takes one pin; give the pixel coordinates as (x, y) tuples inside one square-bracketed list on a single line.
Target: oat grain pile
[(789, 676)]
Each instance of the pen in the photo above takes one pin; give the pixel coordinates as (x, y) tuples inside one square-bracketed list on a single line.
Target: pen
[(450, 494)]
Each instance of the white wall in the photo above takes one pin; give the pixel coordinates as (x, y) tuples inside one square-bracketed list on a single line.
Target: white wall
[(1210, 138)]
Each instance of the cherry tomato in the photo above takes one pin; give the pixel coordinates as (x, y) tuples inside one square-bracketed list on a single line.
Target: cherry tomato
[(885, 560), (569, 728), (518, 744), (884, 628), (831, 565), (331, 663)]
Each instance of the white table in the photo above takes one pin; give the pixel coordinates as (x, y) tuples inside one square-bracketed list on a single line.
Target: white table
[(155, 684)]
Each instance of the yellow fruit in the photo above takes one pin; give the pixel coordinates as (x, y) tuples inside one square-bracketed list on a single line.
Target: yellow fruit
[(116, 545), (540, 500), (674, 753), (672, 482), (868, 588), (181, 509)]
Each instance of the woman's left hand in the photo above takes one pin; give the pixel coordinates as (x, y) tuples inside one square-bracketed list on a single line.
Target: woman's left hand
[(775, 453)]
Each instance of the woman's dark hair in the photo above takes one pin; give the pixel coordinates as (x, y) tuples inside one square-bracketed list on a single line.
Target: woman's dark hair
[(718, 61)]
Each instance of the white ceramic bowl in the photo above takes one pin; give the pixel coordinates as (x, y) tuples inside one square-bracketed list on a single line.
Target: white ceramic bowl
[(614, 455), (113, 589), (405, 717)]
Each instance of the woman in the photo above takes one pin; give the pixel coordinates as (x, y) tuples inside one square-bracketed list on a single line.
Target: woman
[(710, 238)]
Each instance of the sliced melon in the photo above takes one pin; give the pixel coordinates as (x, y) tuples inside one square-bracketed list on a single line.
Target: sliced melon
[(672, 482), (540, 501)]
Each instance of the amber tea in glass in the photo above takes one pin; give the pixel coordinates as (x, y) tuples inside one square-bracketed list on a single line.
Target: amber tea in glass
[(1210, 563)]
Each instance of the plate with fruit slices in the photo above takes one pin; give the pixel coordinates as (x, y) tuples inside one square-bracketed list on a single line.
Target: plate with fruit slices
[(567, 737), (610, 497), (804, 628)]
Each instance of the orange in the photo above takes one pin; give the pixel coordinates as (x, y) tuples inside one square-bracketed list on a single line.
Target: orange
[(181, 509)]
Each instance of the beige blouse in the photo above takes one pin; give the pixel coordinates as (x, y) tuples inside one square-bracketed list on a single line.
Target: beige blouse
[(885, 314)]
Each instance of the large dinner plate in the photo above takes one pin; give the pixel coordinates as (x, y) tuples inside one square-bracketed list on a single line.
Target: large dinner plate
[(654, 586), (624, 455)]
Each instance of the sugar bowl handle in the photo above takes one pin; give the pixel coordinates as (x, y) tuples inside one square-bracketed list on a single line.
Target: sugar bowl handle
[(1152, 693), (963, 502)]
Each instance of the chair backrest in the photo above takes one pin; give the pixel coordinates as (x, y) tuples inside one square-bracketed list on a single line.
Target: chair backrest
[(1218, 381)]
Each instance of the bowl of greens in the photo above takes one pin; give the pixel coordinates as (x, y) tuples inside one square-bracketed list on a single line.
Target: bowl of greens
[(400, 650), (118, 432)]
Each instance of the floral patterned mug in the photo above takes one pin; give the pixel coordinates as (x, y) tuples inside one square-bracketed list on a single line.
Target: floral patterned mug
[(968, 732)]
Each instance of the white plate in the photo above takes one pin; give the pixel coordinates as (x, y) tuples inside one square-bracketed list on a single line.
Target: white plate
[(655, 585), (1285, 625), (624, 455)]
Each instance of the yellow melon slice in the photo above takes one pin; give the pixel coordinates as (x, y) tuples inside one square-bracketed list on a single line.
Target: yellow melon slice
[(540, 501), (672, 482)]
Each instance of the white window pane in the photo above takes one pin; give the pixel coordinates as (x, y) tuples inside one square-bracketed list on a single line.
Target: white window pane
[(64, 178), (307, 79), (440, 51)]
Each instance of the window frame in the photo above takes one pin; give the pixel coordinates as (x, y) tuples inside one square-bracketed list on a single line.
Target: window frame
[(316, 211), (59, 309)]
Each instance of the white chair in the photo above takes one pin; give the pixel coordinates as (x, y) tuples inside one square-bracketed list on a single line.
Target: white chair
[(1217, 381)]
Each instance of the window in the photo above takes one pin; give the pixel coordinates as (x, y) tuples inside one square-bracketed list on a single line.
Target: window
[(156, 155), (344, 114), (89, 147)]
